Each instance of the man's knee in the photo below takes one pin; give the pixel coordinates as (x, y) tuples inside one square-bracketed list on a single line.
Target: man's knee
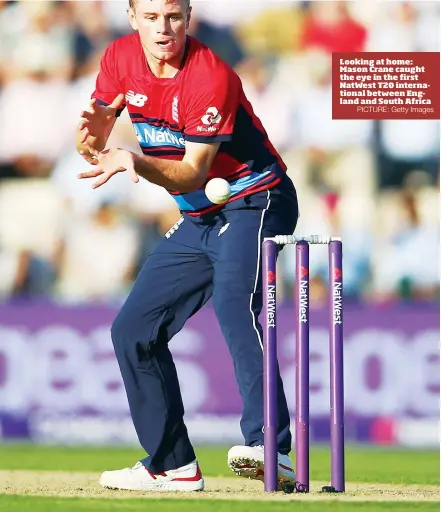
[(121, 328), (230, 300), (133, 331), (127, 341), (118, 325)]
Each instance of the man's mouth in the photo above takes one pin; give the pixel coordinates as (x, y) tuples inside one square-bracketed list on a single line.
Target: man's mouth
[(165, 45)]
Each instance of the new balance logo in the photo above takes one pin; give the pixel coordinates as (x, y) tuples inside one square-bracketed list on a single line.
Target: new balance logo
[(138, 100)]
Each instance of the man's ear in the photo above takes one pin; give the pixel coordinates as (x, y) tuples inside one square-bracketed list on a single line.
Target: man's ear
[(188, 18), (132, 18)]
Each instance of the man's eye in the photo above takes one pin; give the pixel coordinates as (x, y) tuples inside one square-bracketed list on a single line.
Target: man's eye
[(175, 18)]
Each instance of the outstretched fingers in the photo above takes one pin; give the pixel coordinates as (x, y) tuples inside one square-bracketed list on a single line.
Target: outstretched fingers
[(92, 104), (105, 177), (133, 175), (93, 173), (86, 115)]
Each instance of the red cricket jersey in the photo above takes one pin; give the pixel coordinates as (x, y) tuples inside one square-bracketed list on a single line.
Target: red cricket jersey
[(203, 103)]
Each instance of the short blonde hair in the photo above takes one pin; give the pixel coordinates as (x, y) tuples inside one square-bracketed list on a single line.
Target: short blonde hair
[(132, 3)]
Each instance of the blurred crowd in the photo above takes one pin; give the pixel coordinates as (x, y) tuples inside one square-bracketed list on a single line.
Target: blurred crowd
[(376, 184)]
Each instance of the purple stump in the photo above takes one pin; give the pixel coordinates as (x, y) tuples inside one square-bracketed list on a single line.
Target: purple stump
[(269, 252), (302, 367), (336, 360)]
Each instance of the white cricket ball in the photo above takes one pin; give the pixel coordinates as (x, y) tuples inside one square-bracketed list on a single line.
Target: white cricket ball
[(218, 190)]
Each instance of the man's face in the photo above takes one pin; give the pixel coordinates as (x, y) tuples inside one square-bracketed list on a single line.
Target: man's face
[(161, 25)]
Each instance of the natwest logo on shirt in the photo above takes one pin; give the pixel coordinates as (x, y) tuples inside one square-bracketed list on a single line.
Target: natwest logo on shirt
[(138, 100), (211, 120), (157, 136), (209, 129), (211, 117)]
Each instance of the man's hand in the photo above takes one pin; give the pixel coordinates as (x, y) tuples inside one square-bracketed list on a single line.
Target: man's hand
[(110, 162), (95, 127), (187, 175)]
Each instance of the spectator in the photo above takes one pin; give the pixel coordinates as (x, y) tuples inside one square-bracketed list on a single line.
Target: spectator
[(92, 33), (33, 131), (264, 92), (14, 266), (406, 146), (227, 13), (96, 257), (328, 215), (329, 27), (330, 150), (221, 40), (44, 44), (273, 32), (398, 271), (405, 27)]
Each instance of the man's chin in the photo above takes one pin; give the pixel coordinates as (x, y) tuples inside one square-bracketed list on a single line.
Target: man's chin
[(166, 56)]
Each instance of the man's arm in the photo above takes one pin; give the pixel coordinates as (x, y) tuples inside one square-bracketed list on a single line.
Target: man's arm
[(184, 176)]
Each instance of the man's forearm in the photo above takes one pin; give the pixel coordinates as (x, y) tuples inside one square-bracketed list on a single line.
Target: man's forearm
[(170, 174)]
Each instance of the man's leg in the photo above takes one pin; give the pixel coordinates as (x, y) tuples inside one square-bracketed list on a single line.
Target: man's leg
[(238, 302), (174, 283)]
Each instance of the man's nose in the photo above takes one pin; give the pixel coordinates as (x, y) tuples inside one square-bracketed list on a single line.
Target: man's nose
[(162, 25)]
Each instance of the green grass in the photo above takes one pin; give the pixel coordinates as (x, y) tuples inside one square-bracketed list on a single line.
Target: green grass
[(370, 465), (37, 504), (362, 464)]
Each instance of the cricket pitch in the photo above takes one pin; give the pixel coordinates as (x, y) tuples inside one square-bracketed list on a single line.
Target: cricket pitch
[(85, 485)]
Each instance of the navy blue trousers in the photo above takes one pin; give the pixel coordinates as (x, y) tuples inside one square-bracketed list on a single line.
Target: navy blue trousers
[(218, 257)]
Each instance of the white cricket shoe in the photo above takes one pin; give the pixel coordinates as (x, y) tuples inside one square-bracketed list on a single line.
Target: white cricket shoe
[(248, 461), (139, 478)]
